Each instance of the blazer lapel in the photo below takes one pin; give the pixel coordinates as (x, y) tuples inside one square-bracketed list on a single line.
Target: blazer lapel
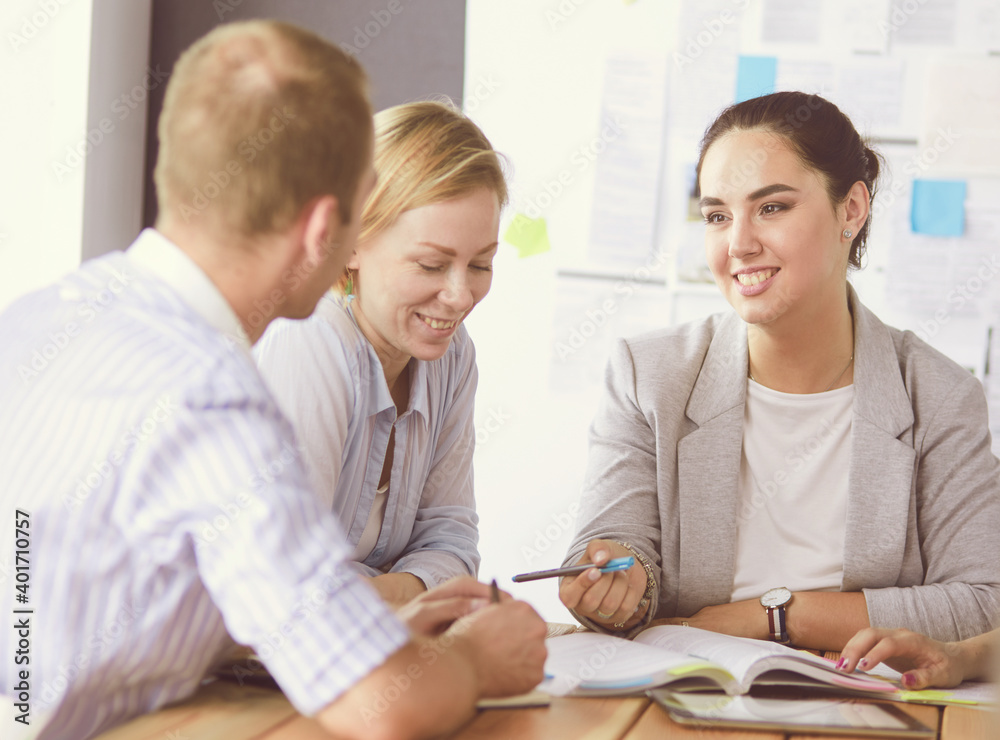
[(882, 459), (708, 465)]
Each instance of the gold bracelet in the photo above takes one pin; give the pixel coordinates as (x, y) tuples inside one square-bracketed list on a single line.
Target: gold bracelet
[(646, 566)]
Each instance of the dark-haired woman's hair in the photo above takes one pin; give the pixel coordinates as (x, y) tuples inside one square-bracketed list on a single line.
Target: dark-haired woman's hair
[(819, 133)]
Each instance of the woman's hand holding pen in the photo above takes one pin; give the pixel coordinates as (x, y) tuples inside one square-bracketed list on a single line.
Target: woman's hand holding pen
[(612, 600)]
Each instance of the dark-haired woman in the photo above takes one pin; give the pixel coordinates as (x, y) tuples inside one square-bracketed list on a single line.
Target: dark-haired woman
[(794, 469)]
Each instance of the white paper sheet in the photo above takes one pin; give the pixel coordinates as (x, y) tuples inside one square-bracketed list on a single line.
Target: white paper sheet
[(960, 132), (628, 154)]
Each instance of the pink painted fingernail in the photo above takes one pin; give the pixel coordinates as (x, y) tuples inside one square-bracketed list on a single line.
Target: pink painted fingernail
[(841, 663), (909, 680), (595, 574), (863, 663), (600, 556)]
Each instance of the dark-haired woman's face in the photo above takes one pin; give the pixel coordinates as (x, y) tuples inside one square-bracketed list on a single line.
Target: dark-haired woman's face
[(772, 236)]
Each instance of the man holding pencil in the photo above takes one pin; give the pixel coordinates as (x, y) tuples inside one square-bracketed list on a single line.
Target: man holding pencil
[(152, 486)]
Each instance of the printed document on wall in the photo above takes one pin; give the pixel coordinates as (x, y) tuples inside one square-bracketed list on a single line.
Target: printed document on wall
[(962, 108), (629, 155)]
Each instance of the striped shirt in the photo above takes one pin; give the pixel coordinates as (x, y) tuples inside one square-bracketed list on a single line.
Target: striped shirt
[(329, 382), (166, 500)]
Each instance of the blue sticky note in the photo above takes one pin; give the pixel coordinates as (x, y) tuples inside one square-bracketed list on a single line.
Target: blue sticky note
[(938, 207), (755, 77)]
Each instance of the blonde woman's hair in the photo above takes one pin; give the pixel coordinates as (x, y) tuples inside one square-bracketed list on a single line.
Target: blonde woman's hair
[(426, 152), (260, 118)]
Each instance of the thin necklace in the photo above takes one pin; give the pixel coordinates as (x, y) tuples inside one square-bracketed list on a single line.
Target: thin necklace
[(835, 380)]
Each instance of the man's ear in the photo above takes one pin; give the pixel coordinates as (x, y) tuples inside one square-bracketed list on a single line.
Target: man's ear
[(321, 235)]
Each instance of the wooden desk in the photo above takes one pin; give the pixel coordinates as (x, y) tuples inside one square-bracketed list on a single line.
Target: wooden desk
[(226, 711)]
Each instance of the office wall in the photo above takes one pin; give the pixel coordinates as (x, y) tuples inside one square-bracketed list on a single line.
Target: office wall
[(44, 65), (410, 50), (615, 262)]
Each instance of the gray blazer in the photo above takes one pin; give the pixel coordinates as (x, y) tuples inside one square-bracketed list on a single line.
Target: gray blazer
[(923, 512)]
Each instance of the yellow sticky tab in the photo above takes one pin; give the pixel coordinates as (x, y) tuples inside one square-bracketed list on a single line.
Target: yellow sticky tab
[(529, 235), (932, 696), (692, 668)]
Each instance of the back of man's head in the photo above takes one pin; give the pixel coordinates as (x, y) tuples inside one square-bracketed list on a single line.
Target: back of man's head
[(260, 118)]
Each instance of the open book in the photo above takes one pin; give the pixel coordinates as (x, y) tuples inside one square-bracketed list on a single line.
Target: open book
[(686, 658)]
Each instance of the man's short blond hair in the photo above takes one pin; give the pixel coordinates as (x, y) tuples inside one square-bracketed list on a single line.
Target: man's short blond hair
[(259, 119)]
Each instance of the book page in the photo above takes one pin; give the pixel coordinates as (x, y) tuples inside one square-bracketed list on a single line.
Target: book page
[(737, 655), (599, 662)]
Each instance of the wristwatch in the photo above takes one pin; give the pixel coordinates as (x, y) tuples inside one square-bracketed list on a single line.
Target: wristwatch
[(774, 602)]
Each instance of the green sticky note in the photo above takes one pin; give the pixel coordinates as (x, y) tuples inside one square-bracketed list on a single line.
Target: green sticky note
[(529, 235)]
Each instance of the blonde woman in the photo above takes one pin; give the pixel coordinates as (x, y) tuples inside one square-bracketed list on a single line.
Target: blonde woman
[(380, 382)]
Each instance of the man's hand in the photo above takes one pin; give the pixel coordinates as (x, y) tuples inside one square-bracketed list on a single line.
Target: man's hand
[(432, 612), (506, 644)]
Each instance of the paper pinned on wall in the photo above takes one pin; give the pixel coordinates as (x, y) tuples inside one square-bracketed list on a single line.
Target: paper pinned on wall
[(866, 22), (755, 76), (627, 156), (791, 21), (529, 235), (927, 23), (704, 64), (870, 92), (938, 207), (962, 106)]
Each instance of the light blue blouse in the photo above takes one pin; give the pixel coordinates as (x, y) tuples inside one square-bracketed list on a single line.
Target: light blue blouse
[(329, 382)]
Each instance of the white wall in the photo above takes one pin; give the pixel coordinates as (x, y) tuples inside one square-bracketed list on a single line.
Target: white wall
[(44, 65), (538, 67), (45, 74)]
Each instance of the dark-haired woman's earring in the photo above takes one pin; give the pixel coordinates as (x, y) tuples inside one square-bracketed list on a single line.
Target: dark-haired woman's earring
[(848, 233)]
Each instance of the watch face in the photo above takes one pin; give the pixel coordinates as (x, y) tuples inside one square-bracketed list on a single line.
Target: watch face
[(776, 597)]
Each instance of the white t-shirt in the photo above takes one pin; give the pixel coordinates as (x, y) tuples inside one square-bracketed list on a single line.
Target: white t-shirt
[(793, 491)]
